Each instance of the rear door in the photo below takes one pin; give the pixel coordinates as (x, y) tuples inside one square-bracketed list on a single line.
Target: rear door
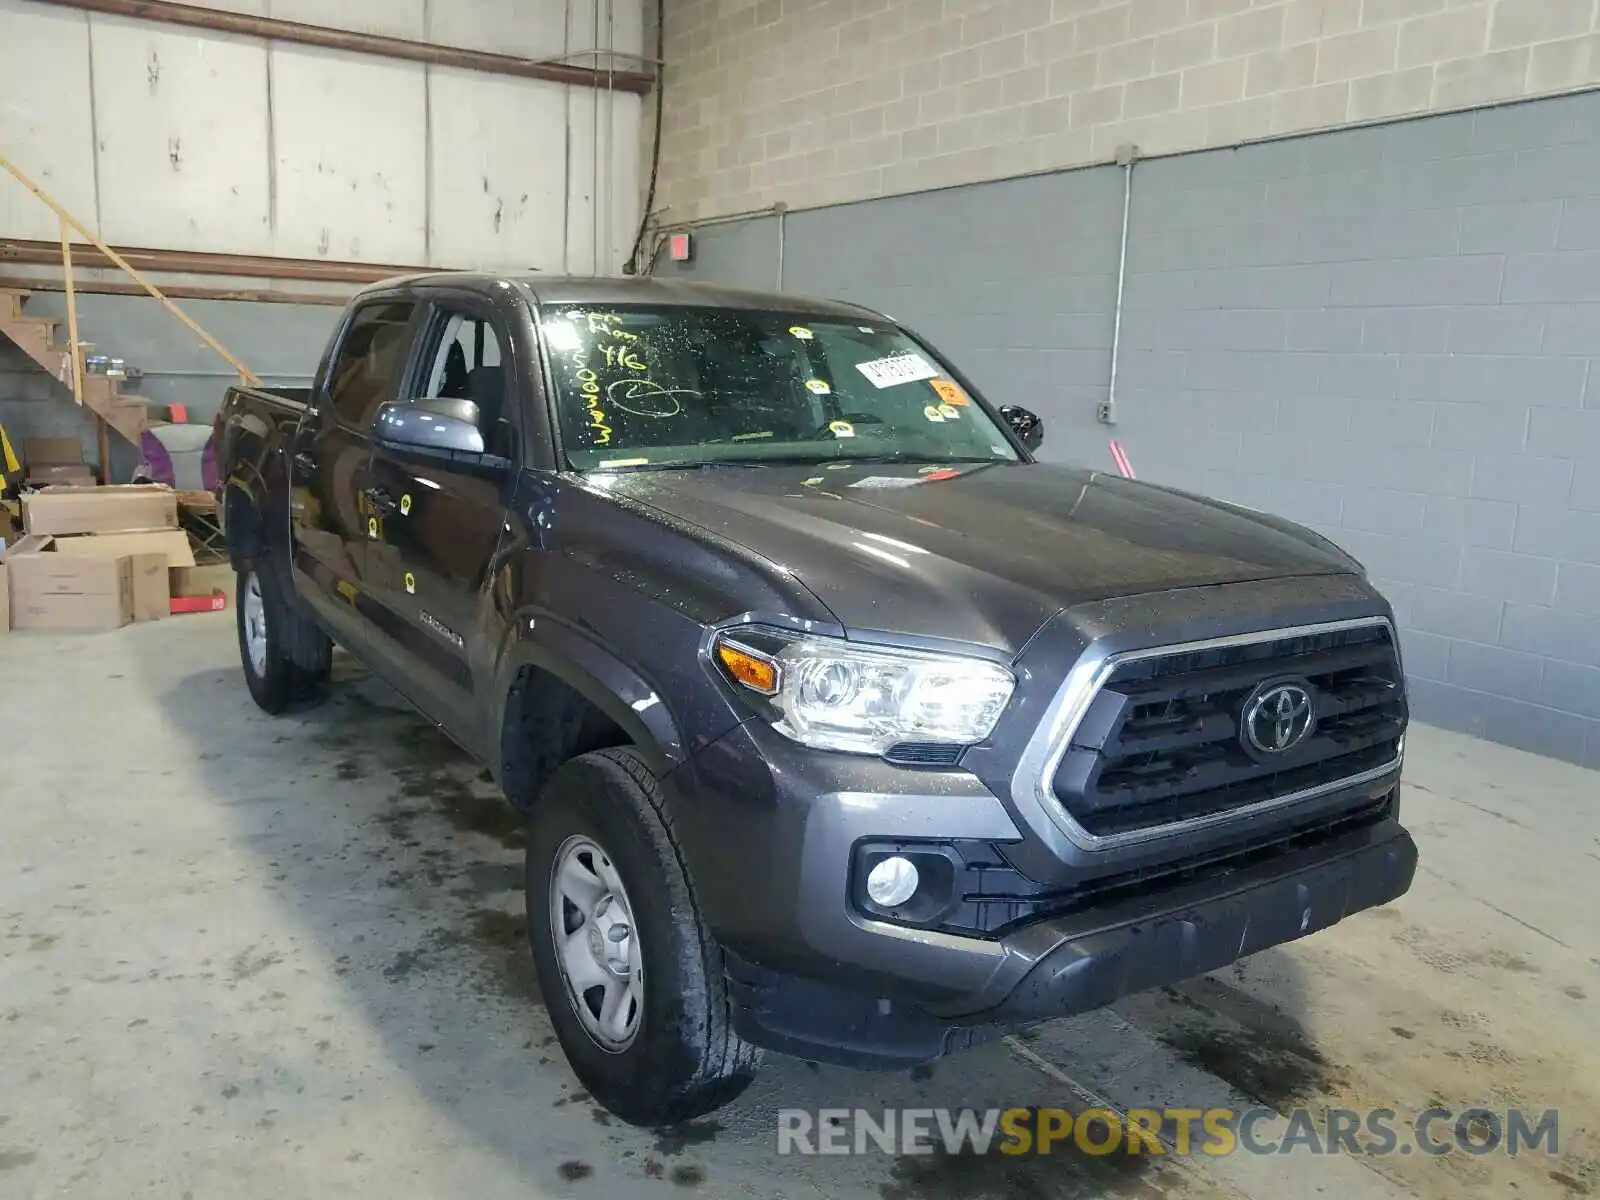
[(331, 517), (445, 515)]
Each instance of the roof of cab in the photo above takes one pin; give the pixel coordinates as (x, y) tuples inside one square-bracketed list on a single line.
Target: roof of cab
[(578, 289)]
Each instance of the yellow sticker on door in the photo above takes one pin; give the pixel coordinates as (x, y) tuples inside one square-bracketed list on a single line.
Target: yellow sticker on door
[(411, 584), (372, 527), (405, 505)]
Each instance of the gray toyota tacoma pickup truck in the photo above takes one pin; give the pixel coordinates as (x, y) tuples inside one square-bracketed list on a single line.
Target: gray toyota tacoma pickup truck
[(841, 726)]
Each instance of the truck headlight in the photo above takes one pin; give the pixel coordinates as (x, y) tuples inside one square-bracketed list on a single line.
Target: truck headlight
[(836, 695)]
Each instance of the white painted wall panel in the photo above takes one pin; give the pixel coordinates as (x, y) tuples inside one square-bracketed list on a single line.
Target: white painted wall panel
[(583, 251), (256, 8), (391, 18), (204, 141), (604, 126), (182, 123), (349, 156), (498, 169), (44, 116), (602, 205), (619, 27), (626, 186), (528, 30)]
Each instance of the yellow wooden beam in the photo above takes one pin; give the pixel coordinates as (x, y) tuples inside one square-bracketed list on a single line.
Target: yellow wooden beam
[(245, 373)]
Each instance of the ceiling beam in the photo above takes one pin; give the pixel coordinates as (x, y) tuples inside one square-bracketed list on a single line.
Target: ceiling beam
[(273, 29), (200, 262), (176, 291)]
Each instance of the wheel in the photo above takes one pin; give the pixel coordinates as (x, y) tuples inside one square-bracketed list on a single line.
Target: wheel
[(286, 659), (632, 979)]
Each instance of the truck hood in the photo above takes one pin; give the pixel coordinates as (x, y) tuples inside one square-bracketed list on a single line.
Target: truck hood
[(982, 554)]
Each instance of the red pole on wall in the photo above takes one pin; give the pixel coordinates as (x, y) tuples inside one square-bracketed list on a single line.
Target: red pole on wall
[(1120, 457)]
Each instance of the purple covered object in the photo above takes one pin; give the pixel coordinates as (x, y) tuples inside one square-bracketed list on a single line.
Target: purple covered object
[(181, 456), (157, 462)]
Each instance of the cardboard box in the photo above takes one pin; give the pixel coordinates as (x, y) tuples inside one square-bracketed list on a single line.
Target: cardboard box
[(29, 543), (65, 592), (52, 476), (125, 508), (171, 544), (48, 451), (156, 557), (151, 599), (201, 581), (55, 460)]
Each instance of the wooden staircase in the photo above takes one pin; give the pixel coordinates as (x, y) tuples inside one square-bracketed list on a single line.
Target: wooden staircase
[(37, 338)]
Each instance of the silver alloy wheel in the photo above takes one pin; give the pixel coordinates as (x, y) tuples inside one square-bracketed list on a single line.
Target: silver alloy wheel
[(255, 625), (596, 943)]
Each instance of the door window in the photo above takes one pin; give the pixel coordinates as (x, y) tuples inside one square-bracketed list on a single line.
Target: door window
[(467, 365), (370, 360)]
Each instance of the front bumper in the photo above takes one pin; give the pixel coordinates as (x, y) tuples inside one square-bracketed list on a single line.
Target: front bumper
[(769, 831), (1082, 964)]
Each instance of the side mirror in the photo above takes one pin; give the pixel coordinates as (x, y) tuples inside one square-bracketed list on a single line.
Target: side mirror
[(1028, 426), (430, 424)]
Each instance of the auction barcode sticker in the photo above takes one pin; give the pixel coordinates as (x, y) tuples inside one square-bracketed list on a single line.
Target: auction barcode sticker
[(897, 369)]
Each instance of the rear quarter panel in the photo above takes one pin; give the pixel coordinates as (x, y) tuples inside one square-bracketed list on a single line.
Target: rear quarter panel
[(256, 437)]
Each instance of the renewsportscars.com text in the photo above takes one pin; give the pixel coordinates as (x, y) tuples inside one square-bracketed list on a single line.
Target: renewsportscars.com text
[(1375, 1132)]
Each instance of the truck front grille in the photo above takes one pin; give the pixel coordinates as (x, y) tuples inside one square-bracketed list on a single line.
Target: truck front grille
[(1163, 741)]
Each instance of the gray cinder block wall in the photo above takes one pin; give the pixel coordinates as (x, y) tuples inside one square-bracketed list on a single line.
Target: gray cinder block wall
[(1389, 333)]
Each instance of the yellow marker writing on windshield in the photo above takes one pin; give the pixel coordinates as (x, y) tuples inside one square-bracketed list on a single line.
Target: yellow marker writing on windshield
[(841, 429)]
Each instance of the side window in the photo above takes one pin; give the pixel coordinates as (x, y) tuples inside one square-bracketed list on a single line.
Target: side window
[(370, 360), (467, 365)]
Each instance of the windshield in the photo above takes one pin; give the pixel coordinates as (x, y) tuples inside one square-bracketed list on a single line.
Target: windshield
[(687, 386)]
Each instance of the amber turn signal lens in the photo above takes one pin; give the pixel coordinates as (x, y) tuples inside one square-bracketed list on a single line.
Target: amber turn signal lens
[(756, 672)]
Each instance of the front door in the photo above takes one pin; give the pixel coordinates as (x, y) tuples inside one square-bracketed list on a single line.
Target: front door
[(443, 518), (330, 457)]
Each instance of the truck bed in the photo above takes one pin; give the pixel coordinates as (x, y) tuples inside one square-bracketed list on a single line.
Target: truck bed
[(293, 399)]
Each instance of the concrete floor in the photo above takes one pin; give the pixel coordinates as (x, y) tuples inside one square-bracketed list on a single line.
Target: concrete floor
[(244, 957)]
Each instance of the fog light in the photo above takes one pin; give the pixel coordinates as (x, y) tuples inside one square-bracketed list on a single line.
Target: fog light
[(892, 882)]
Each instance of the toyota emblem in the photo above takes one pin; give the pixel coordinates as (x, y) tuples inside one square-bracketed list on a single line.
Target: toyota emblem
[(1278, 718)]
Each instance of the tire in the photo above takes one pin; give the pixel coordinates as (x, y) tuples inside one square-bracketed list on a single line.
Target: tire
[(286, 659), (683, 1058)]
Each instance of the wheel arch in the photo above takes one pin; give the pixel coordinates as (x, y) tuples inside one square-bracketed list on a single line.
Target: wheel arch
[(556, 705), (242, 526)]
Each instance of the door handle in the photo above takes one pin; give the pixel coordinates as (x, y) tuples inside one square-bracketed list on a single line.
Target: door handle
[(380, 501)]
